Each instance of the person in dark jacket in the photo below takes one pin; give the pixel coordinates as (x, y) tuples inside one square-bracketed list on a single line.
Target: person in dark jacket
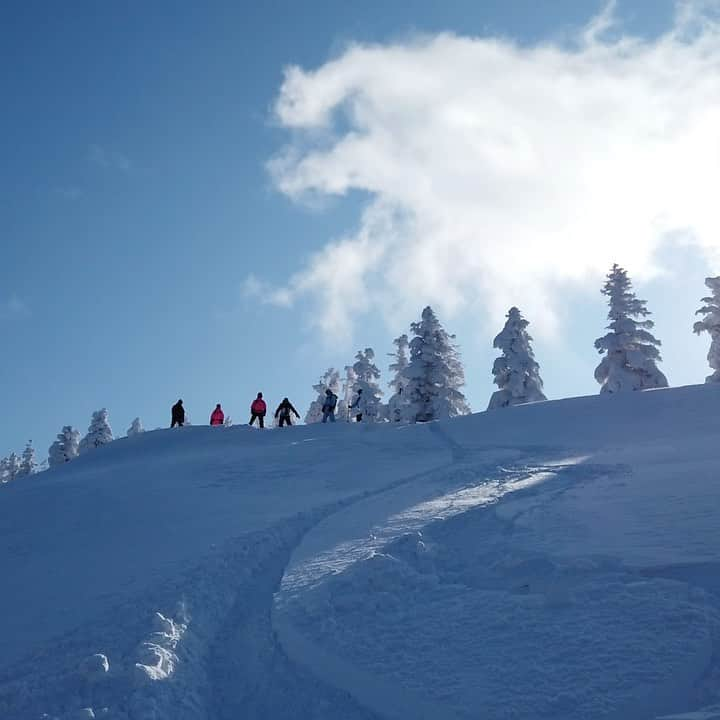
[(258, 410), (328, 408), (178, 414), (283, 412), (217, 417)]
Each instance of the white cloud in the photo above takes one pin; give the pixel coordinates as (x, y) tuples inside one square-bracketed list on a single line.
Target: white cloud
[(497, 173)]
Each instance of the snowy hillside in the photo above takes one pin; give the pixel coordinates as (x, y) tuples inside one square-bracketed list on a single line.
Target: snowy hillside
[(557, 560)]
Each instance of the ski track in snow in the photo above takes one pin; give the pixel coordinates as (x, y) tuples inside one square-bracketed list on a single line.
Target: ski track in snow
[(209, 651), (322, 618), (271, 623)]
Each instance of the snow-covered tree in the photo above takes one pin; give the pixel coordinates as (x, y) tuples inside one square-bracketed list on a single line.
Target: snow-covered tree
[(631, 350), (711, 324), (366, 379), (136, 428), (329, 381), (396, 409), (10, 468), (65, 448), (342, 412), (28, 463), (435, 373), (99, 433), (400, 363), (227, 422), (515, 372)]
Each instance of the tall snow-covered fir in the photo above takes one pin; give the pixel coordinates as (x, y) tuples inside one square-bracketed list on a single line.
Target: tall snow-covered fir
[(435, 373), (342, 411), (711, 324), (366, 379), (397, 404), (631, 351), (99, 433), (515, 372), (329, 381), (400, 363), (65, 448), (10, 468), (136, 428), (28, 463)]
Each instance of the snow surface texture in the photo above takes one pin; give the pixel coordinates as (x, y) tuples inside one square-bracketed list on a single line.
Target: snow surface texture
[(556, 560)]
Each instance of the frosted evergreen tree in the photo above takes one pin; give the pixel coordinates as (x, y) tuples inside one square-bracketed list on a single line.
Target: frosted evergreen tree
[(136, 428), (631, 351), (711, 324), (397, 404), (28, 463), (227, 422), (366, 379), (10, 468), (65, 448), (329, 381), (99, 433), (342, 411), (515, 372), (400, 363), (435, 373), (3, 470)]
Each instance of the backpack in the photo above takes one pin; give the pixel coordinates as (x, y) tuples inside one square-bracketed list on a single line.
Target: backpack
[(331, 401)]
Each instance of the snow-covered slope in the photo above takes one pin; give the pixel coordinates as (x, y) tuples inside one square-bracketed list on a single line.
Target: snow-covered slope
[(553, 560)]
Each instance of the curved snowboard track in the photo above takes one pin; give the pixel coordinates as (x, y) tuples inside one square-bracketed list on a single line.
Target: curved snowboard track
[(257, 676), (310, 560), (388, 700)]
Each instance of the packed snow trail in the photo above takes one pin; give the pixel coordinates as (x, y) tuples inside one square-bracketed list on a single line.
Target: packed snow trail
[(360, 532), (557, 560), (596, 595), (159, 523)]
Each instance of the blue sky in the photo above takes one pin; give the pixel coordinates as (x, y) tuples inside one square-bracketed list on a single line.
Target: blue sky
[(135, 201)]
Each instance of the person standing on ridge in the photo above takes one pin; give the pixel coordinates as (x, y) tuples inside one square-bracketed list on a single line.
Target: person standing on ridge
[(217, 417), (360, 405), (283, 412), (328, 408), (178, 414), (258, 410)]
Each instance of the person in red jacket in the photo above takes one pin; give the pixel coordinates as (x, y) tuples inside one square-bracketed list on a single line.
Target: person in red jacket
[(218, 416), (258, 409)]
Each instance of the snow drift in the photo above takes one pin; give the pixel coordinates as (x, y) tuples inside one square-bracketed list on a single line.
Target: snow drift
[(557, 559)]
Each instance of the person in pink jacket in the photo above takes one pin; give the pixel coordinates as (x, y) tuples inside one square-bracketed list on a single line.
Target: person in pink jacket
[(218, 416), (258, 409)]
